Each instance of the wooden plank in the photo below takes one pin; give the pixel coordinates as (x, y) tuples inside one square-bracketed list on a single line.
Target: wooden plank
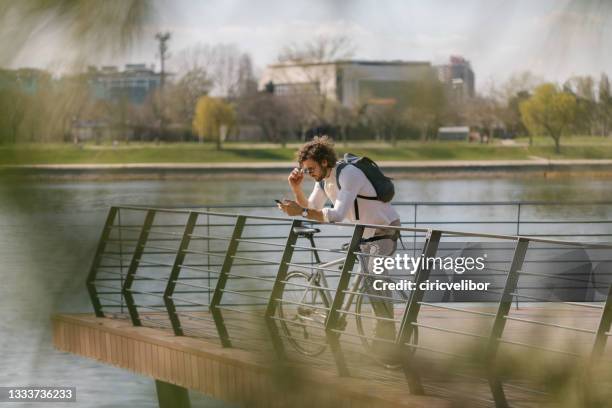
[(124, 362), (167, 364), (148, 355), (203, 388), (107, 348), (139, 356), (174, 364), (115, 349), (181, 368), (71, 343), (131, 351), (187, 370), (91, 343), (88, 342), (96, 342), (162, 362), (216, 378), (194, 371)]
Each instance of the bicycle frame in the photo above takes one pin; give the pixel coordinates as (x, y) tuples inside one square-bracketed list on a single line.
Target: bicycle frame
[(318, 279)]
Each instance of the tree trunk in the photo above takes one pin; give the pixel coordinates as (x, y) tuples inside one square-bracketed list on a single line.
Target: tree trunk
[(557, 144)]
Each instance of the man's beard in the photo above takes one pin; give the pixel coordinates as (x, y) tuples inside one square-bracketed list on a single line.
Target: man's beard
[(324, 174)]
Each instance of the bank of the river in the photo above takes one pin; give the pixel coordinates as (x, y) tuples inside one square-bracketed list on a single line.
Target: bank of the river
[(441, 168), (576, 148)]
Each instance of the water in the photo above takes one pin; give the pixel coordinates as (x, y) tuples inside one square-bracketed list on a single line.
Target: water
[(50, 231)]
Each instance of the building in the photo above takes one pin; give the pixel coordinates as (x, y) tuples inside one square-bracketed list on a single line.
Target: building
[(27, 80), (135, 83), (351, 83), (453, 133), (458, 77)]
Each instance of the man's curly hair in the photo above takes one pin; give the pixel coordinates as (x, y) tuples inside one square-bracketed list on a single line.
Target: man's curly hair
[(318, 149)]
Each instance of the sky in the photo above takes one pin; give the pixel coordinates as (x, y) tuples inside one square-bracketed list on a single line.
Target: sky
[(550, 38)]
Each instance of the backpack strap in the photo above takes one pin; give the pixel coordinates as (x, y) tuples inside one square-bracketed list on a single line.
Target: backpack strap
[(342, 164)]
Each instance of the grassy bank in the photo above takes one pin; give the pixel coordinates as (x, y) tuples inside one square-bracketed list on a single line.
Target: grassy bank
[(234, 152)]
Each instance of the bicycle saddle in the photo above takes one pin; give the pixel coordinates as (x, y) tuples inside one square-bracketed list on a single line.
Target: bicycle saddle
[(304, 231)]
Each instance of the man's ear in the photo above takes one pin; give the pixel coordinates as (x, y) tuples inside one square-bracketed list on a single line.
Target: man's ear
[(324, 163)]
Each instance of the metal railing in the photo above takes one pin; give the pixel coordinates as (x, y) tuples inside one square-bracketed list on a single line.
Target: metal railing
[(212, 274)]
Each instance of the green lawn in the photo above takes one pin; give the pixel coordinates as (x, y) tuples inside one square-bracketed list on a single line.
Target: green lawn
[(196, 153)]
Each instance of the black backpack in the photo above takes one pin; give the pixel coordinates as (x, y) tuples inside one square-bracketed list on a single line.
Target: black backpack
[(381, 183)]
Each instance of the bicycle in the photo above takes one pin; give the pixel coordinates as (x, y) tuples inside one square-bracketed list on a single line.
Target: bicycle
[(307, 298)]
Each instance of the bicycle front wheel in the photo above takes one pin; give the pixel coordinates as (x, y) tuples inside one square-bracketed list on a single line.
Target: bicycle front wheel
[(302, 314)]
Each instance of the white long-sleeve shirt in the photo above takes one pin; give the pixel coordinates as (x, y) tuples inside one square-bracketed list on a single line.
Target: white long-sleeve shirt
[(353, 182)]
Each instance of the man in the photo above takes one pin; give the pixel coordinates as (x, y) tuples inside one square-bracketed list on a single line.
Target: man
[(318, 159)]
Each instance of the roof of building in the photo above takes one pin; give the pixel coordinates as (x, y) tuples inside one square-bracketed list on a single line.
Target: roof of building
[(349, 62)]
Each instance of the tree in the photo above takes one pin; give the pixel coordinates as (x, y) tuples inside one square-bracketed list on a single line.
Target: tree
[(313, 106), (482, 112), (549, 111), (323, 48), (183, 95), (509, 96), (426, 105), (274, 114), (386, 119), (583, 88), (604, 104), (211, 116), (228, 69), (13, 105)]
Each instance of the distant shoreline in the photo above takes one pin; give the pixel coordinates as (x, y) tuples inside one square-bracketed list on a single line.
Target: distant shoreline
[(398, 169)]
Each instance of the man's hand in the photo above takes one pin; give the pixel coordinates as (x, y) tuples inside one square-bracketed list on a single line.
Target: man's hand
[(295, 178), (290, 208)]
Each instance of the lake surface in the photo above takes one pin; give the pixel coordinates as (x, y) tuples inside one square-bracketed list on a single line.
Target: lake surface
[(49, 232)]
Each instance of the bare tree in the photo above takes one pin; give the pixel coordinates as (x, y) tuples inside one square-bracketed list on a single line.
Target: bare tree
[(583, 88), (228, 69), (604, 105), (184, 94), (312, 104), (323, 48), (482, 112)]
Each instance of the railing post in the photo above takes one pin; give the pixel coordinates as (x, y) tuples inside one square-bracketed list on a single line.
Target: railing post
[(120, 226), (605, 323), (333, 318), (176, 270), (518, 233), (411, 313), (93, 270), (414, 239), (505, 303), (129, 278), (221, 282), (208, 254), (278, 289)]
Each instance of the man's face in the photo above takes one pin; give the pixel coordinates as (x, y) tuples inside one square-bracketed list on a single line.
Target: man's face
[(315, 170)]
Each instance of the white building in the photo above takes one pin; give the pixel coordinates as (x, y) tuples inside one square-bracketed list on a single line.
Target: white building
[(348, 82)]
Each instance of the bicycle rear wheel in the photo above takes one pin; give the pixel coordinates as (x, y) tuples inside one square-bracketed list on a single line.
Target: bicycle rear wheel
[(367, 321), (302, 312)]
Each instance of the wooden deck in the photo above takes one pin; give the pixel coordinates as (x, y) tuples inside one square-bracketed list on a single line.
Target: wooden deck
[(232, 375), (247, 373)]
